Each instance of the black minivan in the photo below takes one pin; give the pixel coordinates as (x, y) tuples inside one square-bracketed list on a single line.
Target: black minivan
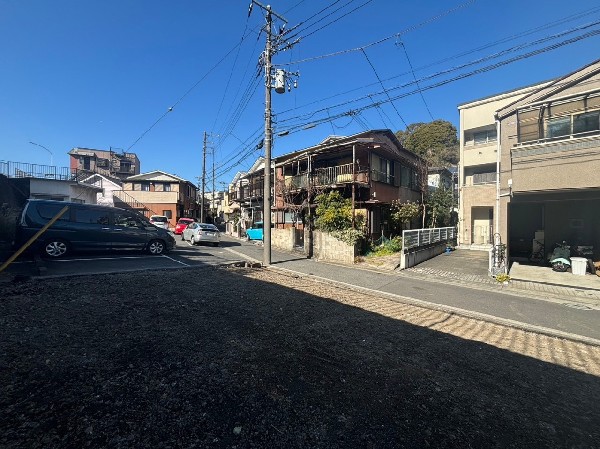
[(89, 227)]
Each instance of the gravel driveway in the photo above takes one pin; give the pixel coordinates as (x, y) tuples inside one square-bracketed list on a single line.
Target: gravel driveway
[(252, 358)]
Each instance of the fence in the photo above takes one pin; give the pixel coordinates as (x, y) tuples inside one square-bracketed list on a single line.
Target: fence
[(422, 244), (415, 238), (26, 170)]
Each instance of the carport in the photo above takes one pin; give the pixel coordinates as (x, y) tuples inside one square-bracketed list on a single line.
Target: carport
[(571, 215)]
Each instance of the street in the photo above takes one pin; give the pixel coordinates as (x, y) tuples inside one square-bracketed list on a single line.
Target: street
[(549, 314)]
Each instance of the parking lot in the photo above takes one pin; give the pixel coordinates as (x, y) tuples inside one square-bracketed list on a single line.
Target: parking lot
[(182, 256)]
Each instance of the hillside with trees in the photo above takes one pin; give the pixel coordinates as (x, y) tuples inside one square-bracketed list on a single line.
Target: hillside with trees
[(436, 142)]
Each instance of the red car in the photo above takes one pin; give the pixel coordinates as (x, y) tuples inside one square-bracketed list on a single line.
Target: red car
[(182, 224)]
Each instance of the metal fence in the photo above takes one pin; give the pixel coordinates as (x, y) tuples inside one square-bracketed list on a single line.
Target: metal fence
[(26, 170), (414, 238)]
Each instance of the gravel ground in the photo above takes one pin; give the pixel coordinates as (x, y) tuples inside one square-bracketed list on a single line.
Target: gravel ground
[(252, 358)]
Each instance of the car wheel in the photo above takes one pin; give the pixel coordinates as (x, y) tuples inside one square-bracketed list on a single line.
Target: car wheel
[(156, 247), (56, 248), (247, 238), (182, 237), (193, 240)]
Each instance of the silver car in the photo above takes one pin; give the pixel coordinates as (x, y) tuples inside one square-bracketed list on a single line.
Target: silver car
[(201, 233)]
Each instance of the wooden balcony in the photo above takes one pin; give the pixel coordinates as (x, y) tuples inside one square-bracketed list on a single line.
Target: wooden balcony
[(328, 176)]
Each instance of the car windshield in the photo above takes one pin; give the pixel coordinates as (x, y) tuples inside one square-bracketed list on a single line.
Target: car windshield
[(159, 219), (208, 227), (185, 221)]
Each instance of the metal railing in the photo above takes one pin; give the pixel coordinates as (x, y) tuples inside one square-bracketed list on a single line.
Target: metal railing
[(27, 170), (133, 203), (415, 238), (327, 176), (484, 178)]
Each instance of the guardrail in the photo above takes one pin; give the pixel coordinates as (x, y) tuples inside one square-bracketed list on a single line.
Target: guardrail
[(415, 238)]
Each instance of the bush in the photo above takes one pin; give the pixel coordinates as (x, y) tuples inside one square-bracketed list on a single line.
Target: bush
[(387, 247)]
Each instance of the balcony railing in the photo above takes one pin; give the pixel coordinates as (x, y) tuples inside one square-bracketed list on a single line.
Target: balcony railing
[(484, 178), (328, 176), (26, 170)]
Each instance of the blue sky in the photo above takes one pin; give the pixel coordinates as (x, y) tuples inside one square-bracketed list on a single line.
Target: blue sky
[(101, 74)]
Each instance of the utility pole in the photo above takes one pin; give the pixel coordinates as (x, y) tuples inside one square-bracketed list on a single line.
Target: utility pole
[(268, 139), (212, 206), (280, 84), (203, 179)]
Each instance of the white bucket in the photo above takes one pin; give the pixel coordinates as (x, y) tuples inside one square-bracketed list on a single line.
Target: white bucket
[(578, 265)]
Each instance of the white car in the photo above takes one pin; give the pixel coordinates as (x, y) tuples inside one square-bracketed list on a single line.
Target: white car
[(160, 221), (201, 233)]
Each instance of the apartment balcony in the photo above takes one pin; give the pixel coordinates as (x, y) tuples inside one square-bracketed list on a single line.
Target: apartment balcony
[(550, 165), (328, 176)]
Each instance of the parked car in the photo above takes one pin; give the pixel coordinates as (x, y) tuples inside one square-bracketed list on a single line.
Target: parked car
[(160, 221), (88, 227), (201, 233), (255, 232), (182, 224)]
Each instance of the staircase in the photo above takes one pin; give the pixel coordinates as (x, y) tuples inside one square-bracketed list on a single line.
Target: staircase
[(123, 200)]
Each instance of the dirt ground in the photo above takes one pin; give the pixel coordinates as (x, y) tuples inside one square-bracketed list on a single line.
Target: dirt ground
[(251, 358)]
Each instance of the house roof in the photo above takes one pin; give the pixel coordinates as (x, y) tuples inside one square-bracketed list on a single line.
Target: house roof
[(378, 136), (553, 88), (156, 175)]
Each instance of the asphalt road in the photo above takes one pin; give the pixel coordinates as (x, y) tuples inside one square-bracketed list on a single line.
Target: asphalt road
[(554, 314)]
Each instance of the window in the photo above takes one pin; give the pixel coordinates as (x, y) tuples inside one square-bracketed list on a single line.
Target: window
[(49, 211), (483, 137), (145, 186), (585, 123), (128, 220), (558, 127), (91, 216), (167, 213), (405, 177), (167, 187), (125, 167)]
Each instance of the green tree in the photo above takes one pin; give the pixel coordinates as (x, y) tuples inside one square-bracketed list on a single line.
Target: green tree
[(403, 213), (333, 213), (440, 204), (436, 142)]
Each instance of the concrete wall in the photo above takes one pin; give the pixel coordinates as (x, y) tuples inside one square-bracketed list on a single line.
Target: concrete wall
[(327, 247), (283, 238), (414, 257)]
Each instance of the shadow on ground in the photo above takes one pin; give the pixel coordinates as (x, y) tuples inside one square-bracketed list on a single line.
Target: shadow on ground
[(165, 359)]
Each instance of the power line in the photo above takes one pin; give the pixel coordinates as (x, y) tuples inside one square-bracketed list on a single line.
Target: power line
[(480, 70), (415, 78), (385, 39), (308, 115), (383, 87)]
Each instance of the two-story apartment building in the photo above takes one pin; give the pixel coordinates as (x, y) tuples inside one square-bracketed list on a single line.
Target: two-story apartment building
[(161, 193), (370, 168), (547, 153)]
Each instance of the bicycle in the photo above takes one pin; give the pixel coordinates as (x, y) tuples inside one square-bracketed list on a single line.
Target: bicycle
[(538, 255)]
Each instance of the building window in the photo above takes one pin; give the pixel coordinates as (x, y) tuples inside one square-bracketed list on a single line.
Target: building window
[(167, 213), (167, 187), (558, 127), (586, 123), (145, 187), (125, 167), (483, 137)]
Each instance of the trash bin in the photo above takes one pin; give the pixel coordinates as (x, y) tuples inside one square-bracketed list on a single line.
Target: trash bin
[(578, 265)]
